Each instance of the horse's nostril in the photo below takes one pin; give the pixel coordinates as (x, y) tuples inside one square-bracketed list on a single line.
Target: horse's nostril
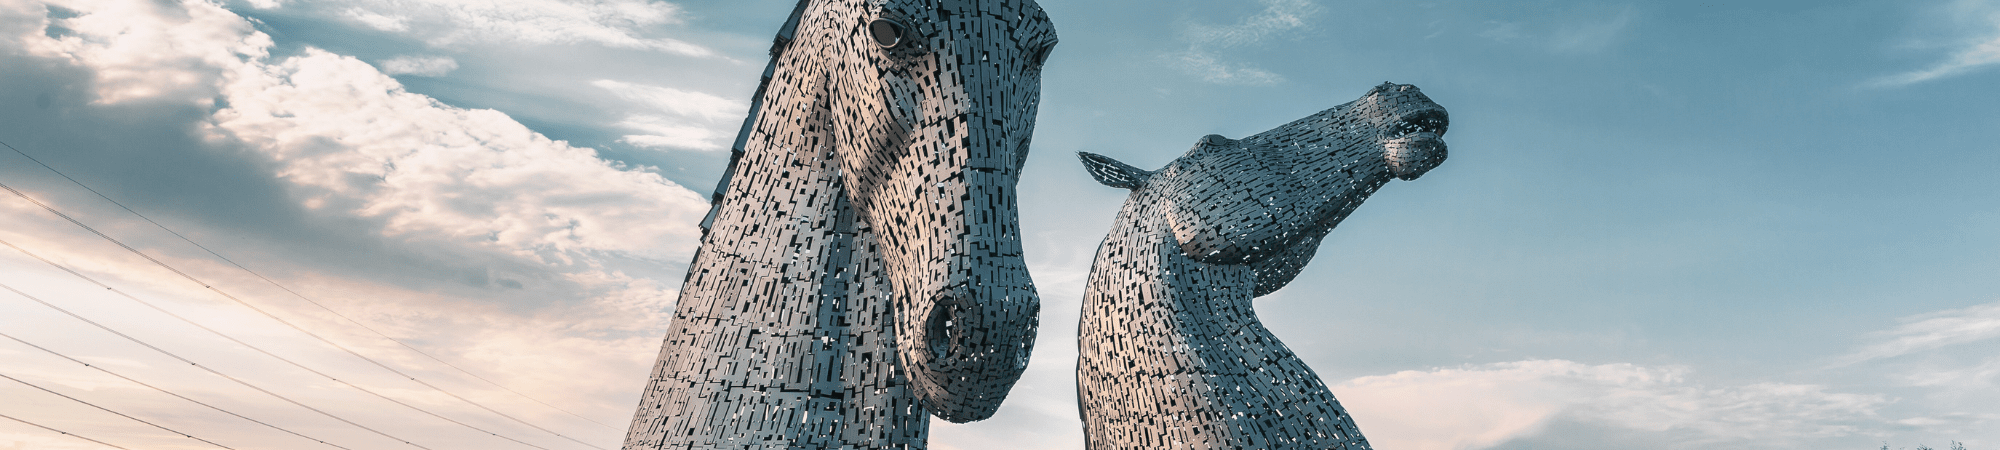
[(941, 328), (937, 333)]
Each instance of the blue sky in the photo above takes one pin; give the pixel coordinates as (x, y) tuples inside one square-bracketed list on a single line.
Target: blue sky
[(1662, 225)]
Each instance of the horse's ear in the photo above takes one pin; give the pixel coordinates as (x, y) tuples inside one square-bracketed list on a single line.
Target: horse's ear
[(1111, 172)]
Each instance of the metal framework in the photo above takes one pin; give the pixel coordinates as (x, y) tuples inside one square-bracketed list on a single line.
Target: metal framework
[(861, 269), (1171, 354)]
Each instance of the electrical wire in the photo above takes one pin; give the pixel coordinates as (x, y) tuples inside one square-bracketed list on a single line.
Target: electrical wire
[(164, 391), (233, 298), (247, 305), (199, 366), (310, 300), (247, 345), (120, 414), (65, 433)]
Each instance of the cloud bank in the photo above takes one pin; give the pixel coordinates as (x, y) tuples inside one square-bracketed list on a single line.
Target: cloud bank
[(533, 262), (1485, 406)]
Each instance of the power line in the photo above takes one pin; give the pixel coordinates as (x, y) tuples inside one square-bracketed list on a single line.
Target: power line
[(287, 323), (65, 433), (197, 365), (246, 344), (164, 391), (120, 414), (313, 302)]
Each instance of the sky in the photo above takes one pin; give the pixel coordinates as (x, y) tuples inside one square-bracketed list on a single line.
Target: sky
[(1662, 225)]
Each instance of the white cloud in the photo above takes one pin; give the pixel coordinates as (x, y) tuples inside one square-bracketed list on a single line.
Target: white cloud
[(685, 103), (350, 135), (541, 219), (666, 133), (423, 66), (1979, 49), (615, 23), (349, 138), (145, 50), (1205, 43), (717, 117), (1931, 331), (395, 24), (1482, 406)]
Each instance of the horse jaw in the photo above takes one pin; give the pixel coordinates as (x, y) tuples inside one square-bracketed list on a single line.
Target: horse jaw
[(931, 155)]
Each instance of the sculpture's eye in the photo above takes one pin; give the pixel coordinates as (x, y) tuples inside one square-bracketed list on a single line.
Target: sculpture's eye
[(887, 33)]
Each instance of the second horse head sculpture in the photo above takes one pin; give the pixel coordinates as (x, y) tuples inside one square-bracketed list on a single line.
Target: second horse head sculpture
[(1171, 353), (861, 268)]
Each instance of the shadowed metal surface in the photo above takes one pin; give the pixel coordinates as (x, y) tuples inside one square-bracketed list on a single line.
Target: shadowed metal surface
[(1171, 354), (861, 268)]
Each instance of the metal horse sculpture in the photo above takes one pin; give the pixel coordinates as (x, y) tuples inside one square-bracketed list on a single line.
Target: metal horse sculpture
[(861, 268), (1171, 354)]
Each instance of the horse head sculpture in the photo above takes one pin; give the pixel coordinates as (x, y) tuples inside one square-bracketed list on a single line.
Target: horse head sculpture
[(862, 267), (1291, 184), (931, 124), (1171, 353)]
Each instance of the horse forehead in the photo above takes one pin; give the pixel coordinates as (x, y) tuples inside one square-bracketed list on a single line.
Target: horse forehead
[(1401, 102), (988, 6), (1025, 12)]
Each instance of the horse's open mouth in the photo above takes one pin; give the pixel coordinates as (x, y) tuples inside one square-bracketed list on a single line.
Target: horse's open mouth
[(1433, 121)]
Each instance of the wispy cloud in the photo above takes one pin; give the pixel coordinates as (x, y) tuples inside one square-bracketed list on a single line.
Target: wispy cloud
[(1486, 405), (1931, 331), (702, 121), (1981, 376), (1591, 30), (614, 23), (1203, 57), (1593, 35), (423, 66), (1977, 50), (662, 132), (685, 103)]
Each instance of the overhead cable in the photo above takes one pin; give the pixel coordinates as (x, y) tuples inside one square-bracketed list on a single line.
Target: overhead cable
[(306, 299), (247, 345), (120, 414), (197, 365), (164, 391), (65, 433), (272, 317)]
